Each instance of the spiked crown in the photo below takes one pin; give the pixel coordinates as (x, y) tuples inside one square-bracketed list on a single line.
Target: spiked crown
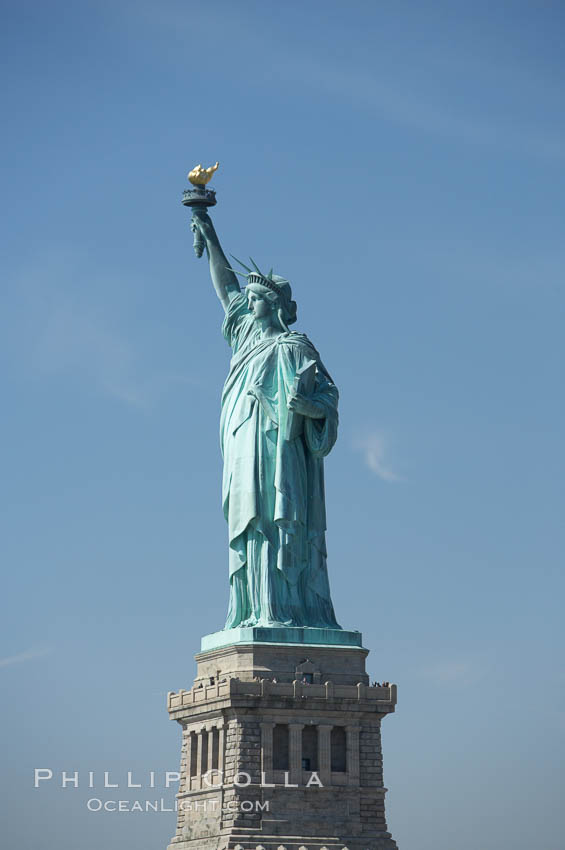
[(255, 275)]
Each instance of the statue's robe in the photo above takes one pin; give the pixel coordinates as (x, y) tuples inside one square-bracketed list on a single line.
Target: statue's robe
[(273, 487)]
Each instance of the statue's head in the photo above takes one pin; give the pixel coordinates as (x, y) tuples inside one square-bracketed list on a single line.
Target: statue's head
[(269, 294)]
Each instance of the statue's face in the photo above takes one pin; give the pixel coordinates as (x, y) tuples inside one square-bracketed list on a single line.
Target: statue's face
[(258, 305)]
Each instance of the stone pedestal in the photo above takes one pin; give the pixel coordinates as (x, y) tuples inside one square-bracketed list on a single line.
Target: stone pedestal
[(281, 748)]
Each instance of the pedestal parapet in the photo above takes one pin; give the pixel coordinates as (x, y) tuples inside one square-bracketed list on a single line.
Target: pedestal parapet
[(377, 698), (282, 749)]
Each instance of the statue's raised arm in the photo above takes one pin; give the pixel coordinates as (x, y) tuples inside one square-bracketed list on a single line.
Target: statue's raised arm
[(199, 198), (224, 280)]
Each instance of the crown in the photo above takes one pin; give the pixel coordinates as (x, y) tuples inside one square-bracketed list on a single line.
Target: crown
[(256, 276), (264, 281)]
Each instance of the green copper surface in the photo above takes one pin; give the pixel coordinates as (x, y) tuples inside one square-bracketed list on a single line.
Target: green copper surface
[(286, 635), (278, 421)]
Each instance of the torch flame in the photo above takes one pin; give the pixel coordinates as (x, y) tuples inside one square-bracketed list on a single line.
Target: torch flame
[(200, 176)]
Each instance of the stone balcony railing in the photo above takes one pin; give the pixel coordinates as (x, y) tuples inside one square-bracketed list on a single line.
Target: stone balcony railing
[(267, 688)]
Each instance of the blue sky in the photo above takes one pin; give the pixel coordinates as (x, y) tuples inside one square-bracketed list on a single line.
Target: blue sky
[(403, 165)]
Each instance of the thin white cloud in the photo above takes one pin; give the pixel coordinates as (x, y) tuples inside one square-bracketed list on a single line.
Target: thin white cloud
[(79, 341), (66, 329), (374, 447), (28, 655), (74, 340), (401, 99), (392, 102)]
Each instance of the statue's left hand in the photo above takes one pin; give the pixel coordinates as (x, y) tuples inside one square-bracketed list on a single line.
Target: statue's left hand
[(299, 403)]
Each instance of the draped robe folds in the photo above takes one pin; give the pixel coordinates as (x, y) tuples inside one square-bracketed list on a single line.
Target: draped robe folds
[(273, 487)]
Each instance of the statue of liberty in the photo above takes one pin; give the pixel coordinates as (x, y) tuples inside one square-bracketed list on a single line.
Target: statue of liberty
[(278, 421)]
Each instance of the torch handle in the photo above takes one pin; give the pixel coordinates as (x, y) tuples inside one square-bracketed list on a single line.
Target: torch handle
[(198, 242)]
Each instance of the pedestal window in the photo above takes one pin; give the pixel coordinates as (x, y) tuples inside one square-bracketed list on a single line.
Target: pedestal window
[(193, 769), (339, 749), (280, 747), (204, 756), (310, 748), (215, 749)]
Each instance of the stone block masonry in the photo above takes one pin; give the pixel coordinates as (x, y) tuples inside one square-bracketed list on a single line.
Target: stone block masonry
[(281, 748)]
